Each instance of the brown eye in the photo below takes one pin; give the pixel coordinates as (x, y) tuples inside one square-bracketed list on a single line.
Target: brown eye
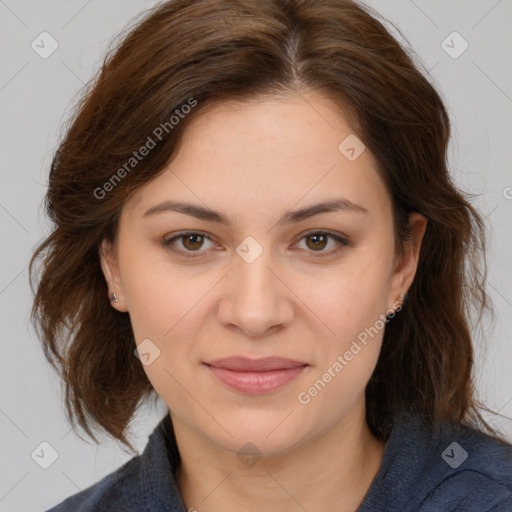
[(318, 241), (192, 242)]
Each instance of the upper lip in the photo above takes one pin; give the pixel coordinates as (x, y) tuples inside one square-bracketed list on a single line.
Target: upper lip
[(244, 364)]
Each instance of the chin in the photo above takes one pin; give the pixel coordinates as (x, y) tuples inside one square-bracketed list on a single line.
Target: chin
[(265, 433)]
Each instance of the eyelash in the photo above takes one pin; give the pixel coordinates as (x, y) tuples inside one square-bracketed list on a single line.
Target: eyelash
[(342, 242)]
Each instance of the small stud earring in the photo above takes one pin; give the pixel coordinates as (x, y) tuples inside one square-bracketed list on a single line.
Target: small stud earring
[(113, 298)]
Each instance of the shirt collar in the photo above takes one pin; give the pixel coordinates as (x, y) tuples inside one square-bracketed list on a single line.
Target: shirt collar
[(159, 463)]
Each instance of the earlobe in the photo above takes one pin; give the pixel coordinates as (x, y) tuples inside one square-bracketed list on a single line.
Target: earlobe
[(109, 267)]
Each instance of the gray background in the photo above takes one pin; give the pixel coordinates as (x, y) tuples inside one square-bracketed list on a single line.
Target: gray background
[(35, 97)]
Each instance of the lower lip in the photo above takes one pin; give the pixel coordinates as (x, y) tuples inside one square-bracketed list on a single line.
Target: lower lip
[(256, 382)]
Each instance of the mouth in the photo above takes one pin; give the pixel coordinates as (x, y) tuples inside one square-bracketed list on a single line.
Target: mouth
[(255, 376)]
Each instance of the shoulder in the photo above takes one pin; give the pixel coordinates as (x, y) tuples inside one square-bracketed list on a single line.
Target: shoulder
[(473, 471), (450, 467), (145, 482), (115, 489)]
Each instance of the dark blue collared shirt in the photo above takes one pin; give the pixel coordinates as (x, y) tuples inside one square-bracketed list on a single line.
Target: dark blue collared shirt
[(451, 469)]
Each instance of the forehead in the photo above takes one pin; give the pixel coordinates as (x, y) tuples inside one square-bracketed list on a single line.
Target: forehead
[(244, 156)]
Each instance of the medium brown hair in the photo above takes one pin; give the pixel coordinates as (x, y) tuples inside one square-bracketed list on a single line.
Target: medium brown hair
[(207, 51)]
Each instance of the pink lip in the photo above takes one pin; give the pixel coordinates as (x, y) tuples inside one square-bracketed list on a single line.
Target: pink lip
[(255, 376)]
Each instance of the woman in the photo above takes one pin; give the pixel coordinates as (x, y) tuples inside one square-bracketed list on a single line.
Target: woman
[(254, 221)]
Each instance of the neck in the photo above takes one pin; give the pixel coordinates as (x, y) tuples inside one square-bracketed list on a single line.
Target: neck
[(333, 471)]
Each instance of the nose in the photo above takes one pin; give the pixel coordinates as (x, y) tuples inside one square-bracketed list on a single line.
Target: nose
[(256, 299)]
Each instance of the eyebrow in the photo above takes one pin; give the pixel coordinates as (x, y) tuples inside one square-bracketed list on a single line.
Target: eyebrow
[(210, 215)]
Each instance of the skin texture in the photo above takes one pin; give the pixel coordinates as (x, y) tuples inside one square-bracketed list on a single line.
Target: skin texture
[(254, 161)]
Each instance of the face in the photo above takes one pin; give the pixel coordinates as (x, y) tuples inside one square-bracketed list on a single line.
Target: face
[(266, 282)]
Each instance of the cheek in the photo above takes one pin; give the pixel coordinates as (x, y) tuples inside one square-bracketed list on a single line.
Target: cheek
[(351, 309), (158, 296), (353, 299), (347, 355), (168, 308)]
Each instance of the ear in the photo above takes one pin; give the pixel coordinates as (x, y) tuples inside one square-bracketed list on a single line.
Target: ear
[(407, 263), (110, 268)]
